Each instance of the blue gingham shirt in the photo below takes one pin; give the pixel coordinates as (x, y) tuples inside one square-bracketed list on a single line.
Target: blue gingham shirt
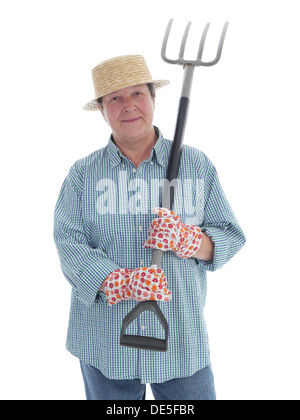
[(102, 216)]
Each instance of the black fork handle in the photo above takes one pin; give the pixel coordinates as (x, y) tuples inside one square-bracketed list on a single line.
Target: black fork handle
[(144, 342)]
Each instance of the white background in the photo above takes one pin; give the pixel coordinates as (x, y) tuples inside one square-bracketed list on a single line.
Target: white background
[(244, 115)]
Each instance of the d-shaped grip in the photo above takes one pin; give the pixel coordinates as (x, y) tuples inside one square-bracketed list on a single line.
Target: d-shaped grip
[(141, 342)]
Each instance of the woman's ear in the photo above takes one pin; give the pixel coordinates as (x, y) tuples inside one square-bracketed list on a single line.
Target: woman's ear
[(100, 108), (102, 112)]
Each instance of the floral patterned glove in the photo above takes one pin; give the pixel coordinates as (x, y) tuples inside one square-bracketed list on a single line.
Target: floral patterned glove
[(168, 233), (143, 283)]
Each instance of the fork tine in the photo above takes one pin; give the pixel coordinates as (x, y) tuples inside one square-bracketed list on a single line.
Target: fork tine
[(165, 40), (202, 42), (220, 47), (184, 38)]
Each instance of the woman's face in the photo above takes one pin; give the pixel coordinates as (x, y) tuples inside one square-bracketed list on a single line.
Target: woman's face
[(129, 112)]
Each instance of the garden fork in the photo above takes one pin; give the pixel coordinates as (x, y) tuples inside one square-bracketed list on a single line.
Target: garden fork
[(140, 341)]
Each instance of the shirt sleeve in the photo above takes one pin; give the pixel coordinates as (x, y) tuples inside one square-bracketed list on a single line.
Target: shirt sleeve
[(220, 223), (83, 266)]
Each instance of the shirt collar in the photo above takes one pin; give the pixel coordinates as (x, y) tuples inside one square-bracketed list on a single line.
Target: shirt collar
[(159, 151), (114, 153)]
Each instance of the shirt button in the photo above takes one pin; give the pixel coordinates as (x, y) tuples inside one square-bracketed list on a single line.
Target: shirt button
[(151, 163), (141, 228), (134, 170), (143, 327), (139, 196), (142, 263)]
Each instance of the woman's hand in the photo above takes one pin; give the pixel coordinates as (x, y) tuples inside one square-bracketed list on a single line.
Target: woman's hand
[(168, 233), (143, 283)]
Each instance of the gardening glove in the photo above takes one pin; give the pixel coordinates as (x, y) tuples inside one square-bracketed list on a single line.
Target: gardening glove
[(168, 233), (143, 283)]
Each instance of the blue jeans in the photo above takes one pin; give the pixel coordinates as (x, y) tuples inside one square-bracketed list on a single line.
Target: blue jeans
[(199, 386)]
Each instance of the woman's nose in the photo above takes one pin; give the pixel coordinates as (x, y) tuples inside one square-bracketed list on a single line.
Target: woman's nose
[(129, 104)]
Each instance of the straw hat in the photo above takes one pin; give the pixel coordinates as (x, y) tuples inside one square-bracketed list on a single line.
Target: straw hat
[(118, 73)]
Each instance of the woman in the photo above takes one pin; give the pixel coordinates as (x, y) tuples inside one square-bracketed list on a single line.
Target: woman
[(105, 231)]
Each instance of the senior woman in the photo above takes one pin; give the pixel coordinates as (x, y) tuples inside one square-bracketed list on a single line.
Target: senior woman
[(108, 220)]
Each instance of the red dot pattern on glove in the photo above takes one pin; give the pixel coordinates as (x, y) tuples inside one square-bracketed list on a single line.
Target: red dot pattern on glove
[(168, 233), (143, 283)]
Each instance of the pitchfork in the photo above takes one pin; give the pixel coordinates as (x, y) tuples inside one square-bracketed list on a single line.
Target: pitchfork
[(152, 343)]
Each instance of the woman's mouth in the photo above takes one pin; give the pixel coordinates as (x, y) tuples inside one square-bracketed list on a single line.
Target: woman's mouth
[(131, 120)]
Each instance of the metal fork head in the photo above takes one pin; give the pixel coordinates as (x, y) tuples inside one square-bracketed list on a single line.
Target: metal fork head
[(198, 61)]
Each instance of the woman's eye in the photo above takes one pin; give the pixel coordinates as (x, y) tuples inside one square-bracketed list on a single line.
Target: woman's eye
[(137, 93)]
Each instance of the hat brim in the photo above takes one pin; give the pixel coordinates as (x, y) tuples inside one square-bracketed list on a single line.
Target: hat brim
[(93, 105)]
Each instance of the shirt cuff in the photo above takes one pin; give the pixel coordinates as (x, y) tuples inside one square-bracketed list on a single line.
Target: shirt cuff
[(94, 272), (218, 237)]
